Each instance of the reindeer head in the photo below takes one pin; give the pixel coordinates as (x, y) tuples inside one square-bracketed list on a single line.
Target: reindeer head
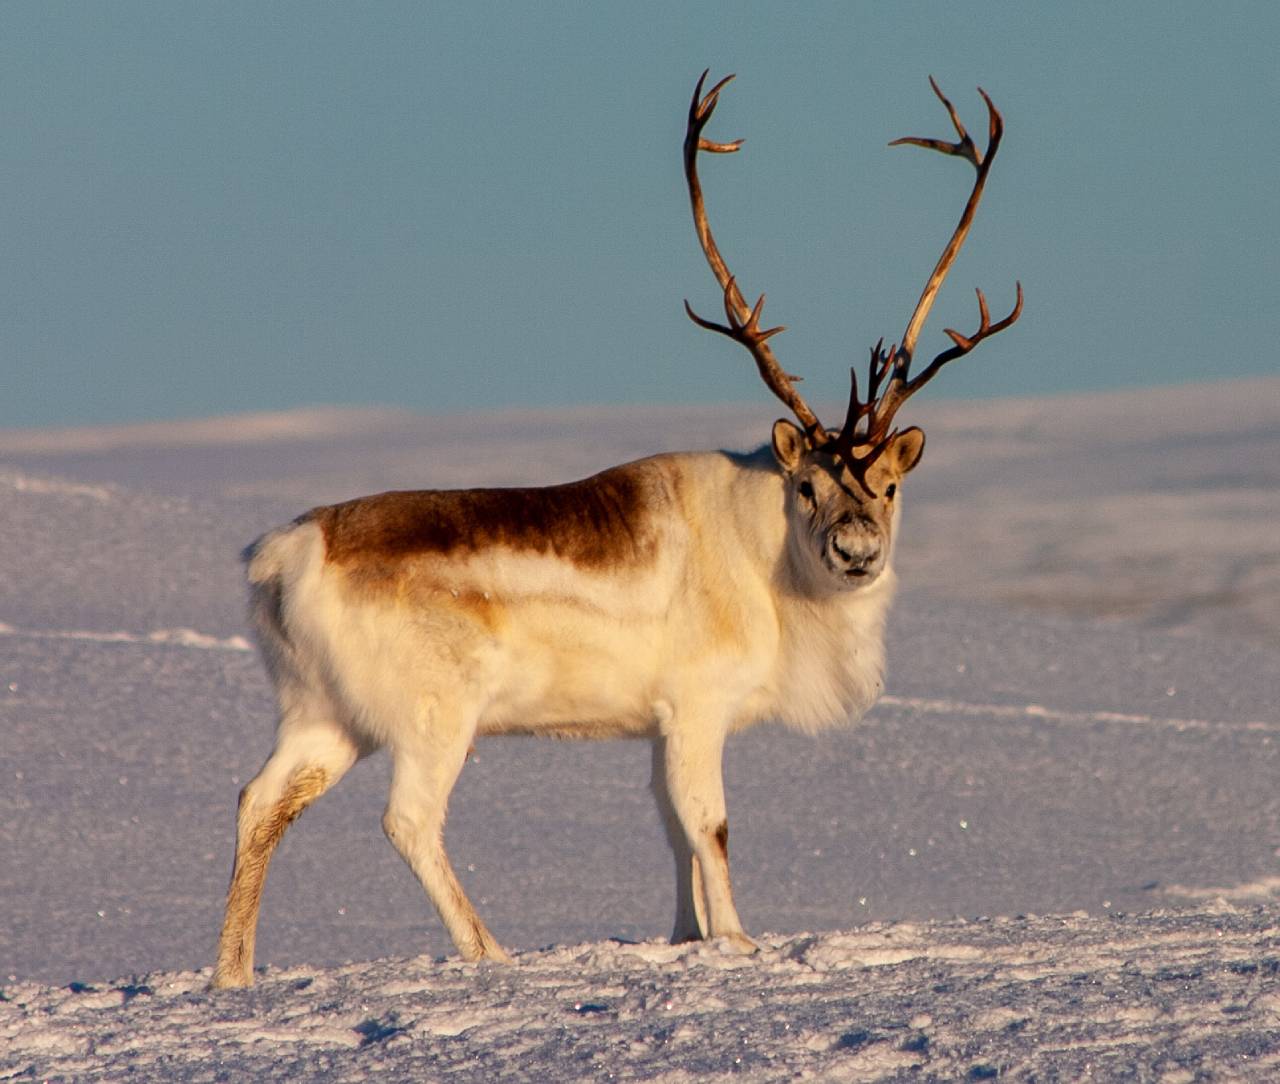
[(840, 525), (842, 486)]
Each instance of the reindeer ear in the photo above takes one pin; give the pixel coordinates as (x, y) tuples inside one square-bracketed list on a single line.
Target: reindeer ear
[(907, 449), (789, 445)]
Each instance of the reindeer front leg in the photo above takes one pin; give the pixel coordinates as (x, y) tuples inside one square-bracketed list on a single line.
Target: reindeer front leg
[(690, 751), (691, 911)]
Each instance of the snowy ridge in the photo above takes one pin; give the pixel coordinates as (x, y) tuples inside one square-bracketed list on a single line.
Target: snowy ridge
[(27, 483), (950, 708), (262, 426), (1268, 888), (1161, 996), (179, 637)]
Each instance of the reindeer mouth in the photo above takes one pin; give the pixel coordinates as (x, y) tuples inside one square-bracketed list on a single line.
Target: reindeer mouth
[(857, 561)]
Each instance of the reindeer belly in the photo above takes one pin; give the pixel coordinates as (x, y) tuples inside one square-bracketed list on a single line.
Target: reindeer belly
[(569, 671)]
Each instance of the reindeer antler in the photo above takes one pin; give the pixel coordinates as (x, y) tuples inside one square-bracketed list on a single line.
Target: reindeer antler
[(868, 423), (878, 410), (743, 323)]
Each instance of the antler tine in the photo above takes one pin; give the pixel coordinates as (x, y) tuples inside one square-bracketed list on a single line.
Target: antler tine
[(900, 389), (849, 437), (965, 148), (750, 335), (898, 360), (858, 409), (743, 323), (965, 343), (981, 163), (701, 107)]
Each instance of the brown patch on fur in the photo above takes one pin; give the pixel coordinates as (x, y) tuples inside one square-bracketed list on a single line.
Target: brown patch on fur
[(480, 606), (722, 838), (599, 522)]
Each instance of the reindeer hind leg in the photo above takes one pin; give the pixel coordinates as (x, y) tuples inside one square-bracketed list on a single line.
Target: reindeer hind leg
[(310, 757)]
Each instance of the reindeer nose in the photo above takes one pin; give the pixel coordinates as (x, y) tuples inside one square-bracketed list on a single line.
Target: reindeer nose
[(866, 563), (859, 560)]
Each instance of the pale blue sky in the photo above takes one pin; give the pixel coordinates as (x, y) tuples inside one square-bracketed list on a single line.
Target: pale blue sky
[(212, 208)]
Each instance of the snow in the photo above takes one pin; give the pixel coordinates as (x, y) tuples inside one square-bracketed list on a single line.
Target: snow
[(1080, 723), (1168, 996)]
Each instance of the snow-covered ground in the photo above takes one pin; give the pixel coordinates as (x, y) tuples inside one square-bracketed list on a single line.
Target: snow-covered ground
[(1081, 722)]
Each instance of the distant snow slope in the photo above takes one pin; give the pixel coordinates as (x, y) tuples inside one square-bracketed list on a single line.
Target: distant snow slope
[(1081, 717)]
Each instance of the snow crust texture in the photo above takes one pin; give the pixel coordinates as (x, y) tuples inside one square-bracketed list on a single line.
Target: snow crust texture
[(1163, 996)]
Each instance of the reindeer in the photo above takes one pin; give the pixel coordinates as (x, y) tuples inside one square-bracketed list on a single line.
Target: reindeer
[(678, 598)]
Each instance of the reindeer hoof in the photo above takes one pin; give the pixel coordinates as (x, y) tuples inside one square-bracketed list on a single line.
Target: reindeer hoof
[(487, 952), (736, 944), (229, 981)]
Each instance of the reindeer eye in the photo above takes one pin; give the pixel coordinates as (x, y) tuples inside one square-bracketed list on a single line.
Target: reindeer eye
[(806, 490), (890, 490)]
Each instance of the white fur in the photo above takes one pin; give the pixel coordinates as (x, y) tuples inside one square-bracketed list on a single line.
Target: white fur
[(733, 621)]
